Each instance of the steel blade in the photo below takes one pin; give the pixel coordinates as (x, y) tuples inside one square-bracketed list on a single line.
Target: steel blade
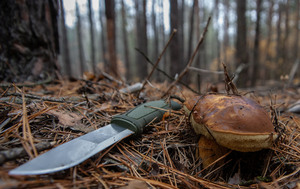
[(73, 152)]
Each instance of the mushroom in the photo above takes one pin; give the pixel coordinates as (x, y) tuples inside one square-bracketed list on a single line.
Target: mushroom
[(234, 122)]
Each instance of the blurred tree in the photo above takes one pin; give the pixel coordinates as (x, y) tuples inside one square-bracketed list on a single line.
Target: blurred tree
[(142, 40), (268, 56), (191, 35), (29, 40), (79, 39), (256, 50), (174, 45), (65, 44), (241, 55), (125, 42), (91, 21), (163, 65), (225, 30), (285, 47), (216, 4), (191, 30), (197, 61), (176, 49), (296, 42), (155, 36), (279, 40), (111, 36), (180, 33), (103, 36)]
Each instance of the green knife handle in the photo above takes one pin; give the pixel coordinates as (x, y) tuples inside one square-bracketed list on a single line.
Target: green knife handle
[(137, 118)]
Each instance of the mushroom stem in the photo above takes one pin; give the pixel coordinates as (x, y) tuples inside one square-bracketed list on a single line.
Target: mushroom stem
[(210, 151)]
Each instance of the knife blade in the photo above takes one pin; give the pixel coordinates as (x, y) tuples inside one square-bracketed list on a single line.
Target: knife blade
[(79, 149)]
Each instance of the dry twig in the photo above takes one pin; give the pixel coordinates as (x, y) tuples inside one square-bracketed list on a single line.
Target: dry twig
[(191, 59), (157, 61)]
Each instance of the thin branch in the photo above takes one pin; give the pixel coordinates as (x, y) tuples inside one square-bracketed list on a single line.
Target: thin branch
[(191, 59), (19, 152), (50, 99), (229, 85), (205, 71), (164, 73), (157, 61)]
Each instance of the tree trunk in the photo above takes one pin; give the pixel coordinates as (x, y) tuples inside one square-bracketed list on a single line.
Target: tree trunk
[(197, 62), (256, 54), (141, 38), (267, 59), (180, 33), (125, 42), (191, 30), (65, 44), (93, 57), (29, 40), (191, 35), (241, 56), (279, 41), (217, 38), (296, 42), (225, 34), (103, 36), (79, 39), (176, 54), (164, 61), (286, 52), (174, 45), (156, 41), (111, 36), (154, 25)]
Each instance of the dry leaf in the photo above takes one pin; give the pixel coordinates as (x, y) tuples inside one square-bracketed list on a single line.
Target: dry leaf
[(136, 184), (69, 119)]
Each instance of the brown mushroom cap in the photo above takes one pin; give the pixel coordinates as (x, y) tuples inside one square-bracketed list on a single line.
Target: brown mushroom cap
[(235, 122)]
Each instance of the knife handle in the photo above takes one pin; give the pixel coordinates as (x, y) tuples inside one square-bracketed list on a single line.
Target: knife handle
[(137, 118)]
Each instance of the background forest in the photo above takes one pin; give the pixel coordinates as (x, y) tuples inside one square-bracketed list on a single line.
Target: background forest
[(258, 39)]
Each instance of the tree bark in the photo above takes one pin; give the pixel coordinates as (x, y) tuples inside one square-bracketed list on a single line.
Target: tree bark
[(29, 40), (91, 21), (256, 54), (65, 44), (241, 55), (125, 43), (79, 39), (142, 42), (111, 36)]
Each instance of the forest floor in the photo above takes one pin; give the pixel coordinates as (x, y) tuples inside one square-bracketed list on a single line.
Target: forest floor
[(36, 119)]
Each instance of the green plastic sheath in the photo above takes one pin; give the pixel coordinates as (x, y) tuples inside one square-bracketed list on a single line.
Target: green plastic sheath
[(137, 118)]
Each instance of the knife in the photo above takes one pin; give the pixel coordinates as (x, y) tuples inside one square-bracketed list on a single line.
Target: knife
[(79, 149)]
